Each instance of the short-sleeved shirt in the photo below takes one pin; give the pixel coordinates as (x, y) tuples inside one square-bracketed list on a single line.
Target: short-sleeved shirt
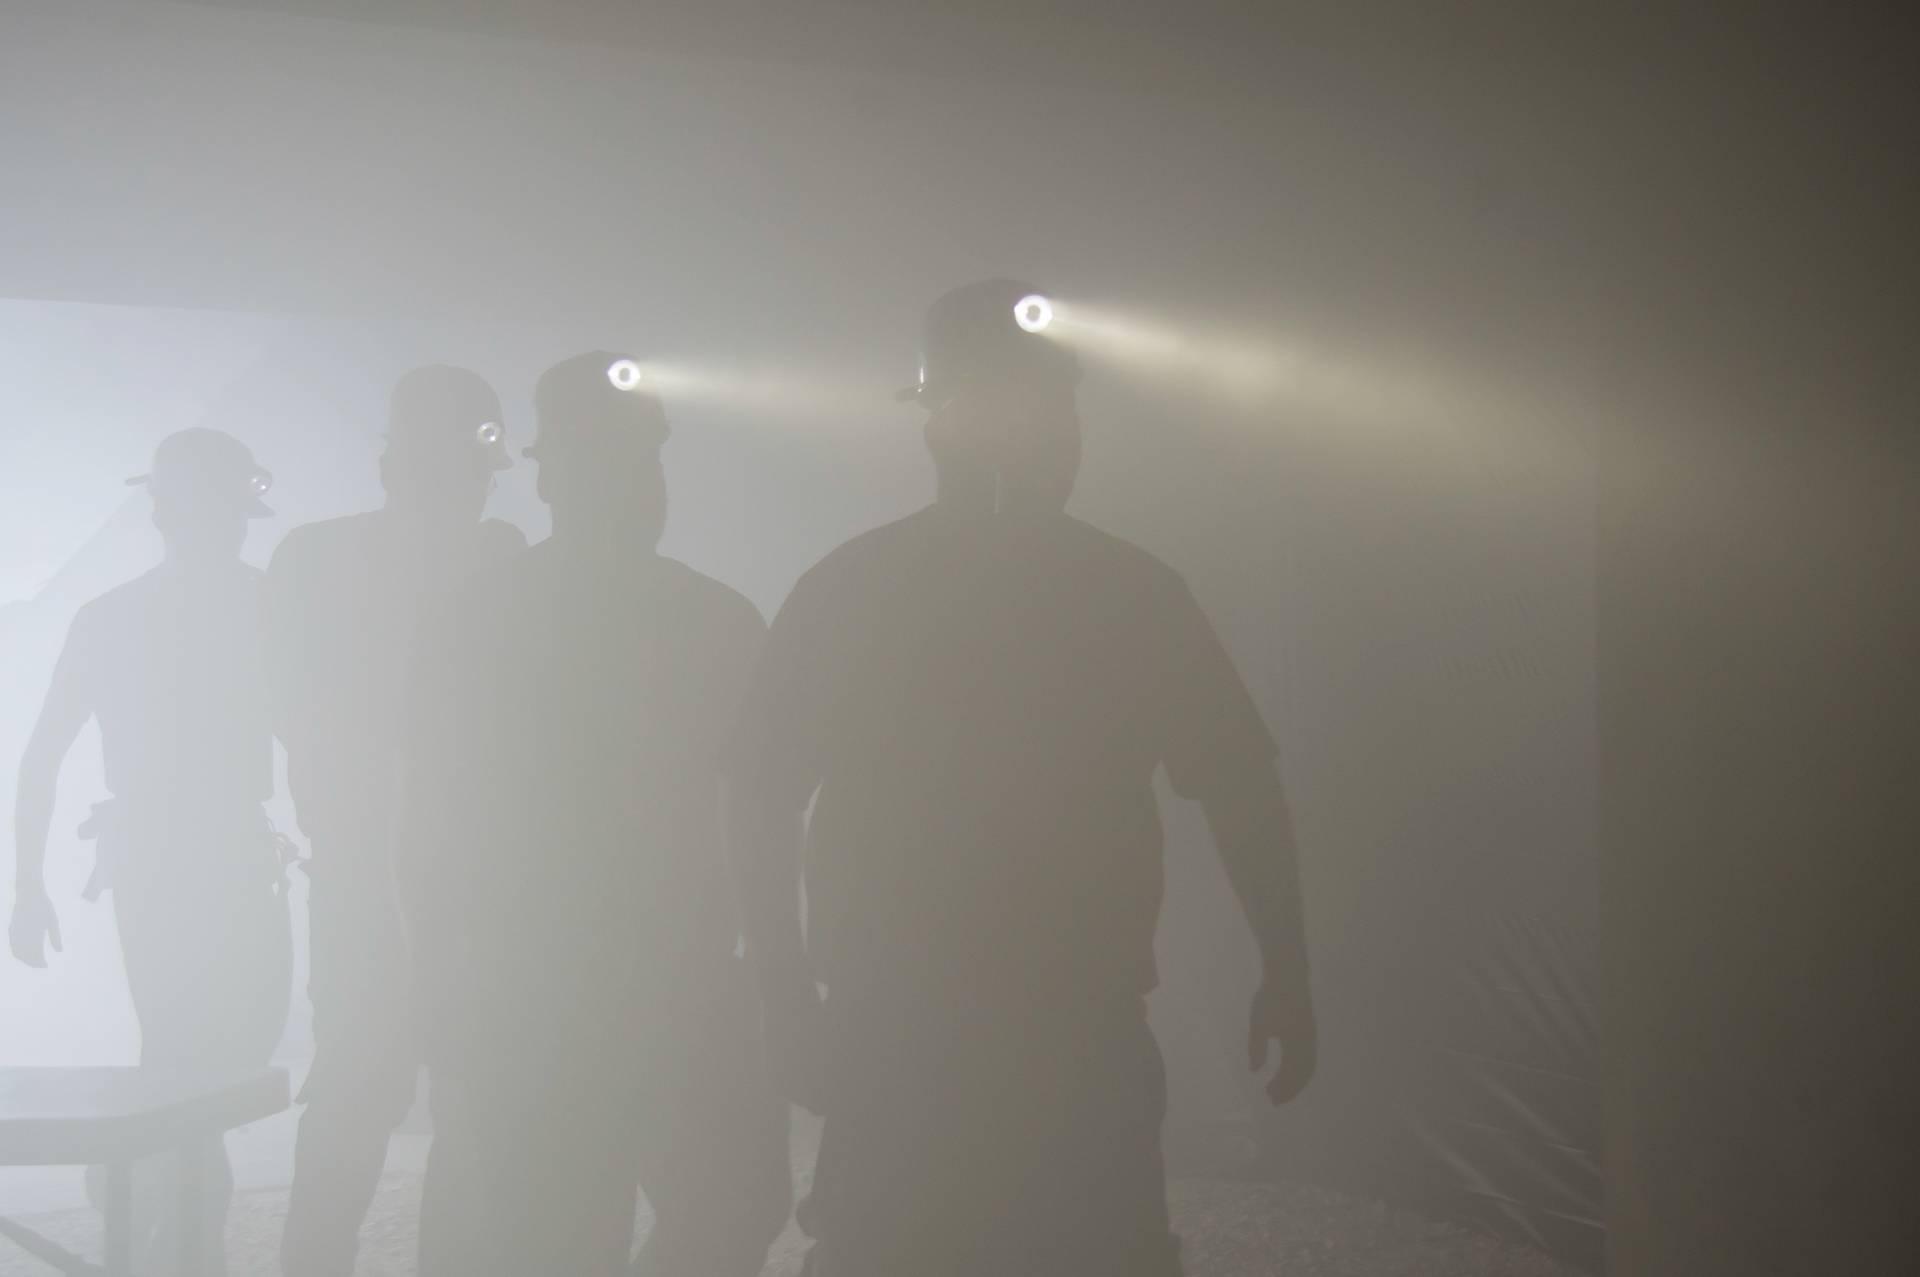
[(170, 665), (575, 714), (344, 599), (981, 708)]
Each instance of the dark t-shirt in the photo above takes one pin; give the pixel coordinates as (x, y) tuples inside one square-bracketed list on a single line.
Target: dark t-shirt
[(981, 708), (344, 599), (571, 727), (169, 663)]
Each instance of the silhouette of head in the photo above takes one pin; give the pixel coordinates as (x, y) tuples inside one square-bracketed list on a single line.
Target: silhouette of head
[(205, 486), (445, 441), (1002, 426), (598, 448)]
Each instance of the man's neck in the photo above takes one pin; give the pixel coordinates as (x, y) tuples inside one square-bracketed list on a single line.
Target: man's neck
[(194, 568), (427, 523), (987, 497)]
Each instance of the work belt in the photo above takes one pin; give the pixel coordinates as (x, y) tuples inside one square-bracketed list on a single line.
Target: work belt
[(116, 827)]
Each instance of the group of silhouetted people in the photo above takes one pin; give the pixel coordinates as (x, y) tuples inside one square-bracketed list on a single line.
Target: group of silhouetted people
[(561, 801)]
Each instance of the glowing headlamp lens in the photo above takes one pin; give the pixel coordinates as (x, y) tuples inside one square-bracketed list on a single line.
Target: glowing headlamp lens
[(261, 483), (624, 374), (490, 433), (1033, 313)]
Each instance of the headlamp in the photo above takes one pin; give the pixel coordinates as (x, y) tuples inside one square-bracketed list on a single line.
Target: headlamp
[(1033, 313)]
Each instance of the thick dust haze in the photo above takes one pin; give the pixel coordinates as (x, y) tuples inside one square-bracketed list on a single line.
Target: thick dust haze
[(628, 618)]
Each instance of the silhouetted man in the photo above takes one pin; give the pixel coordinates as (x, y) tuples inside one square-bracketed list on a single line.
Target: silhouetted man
[(344, 601), (169, 665), (980, 694), (583, 961)]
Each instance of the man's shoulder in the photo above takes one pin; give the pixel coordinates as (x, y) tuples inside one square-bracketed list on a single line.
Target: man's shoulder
[(340, 529), (497, 565), (505, 572), (1107, 548), (875, 553), (323, 539), (126, 606), (1132, 571), (121, 605), (498, 537), (712, 597)]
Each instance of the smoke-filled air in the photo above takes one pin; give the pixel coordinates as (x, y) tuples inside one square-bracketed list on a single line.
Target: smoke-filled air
[(643, 638)]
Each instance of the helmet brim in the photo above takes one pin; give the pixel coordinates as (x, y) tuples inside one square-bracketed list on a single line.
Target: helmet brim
[(253, 507)]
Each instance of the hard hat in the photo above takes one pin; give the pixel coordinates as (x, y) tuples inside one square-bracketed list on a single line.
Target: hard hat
[(991, 331), (441, 417), (596, 400), (210, 468)]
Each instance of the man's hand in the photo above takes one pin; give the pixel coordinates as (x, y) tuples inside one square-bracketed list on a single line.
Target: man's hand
[(794, 1020), (34, 926), (1283, 1012)]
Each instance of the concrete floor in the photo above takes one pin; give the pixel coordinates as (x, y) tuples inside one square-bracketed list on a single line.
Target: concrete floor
[(1227, 1229)]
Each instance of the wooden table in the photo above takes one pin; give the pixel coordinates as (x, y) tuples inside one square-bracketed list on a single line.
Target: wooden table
[(112, 1117)]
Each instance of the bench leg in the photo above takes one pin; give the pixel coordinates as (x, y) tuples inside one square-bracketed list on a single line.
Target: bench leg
[(192, 1208), (119, 1221)]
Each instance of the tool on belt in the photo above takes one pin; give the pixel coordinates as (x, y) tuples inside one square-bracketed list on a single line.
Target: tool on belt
[(113, 828)]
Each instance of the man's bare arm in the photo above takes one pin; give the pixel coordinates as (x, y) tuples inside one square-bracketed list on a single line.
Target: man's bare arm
[(764, 841), (65, 711), (1253, 832), (285, 644)]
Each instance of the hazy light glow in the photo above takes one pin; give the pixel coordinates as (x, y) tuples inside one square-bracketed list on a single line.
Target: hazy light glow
[(1310, 381), (490, 433), (817, 395), (1243, 366), (625, 374), (262, 483), (1033, 313)]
